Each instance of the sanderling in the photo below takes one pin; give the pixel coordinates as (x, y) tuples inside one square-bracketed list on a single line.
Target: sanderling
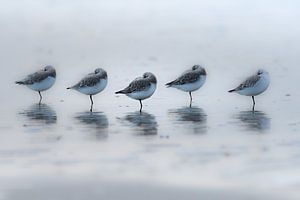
[(40, 81), (92, 84), (254, 85), (190, 80), (141, 88)]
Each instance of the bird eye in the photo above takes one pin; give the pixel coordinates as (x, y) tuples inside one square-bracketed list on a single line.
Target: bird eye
[(195, 67)]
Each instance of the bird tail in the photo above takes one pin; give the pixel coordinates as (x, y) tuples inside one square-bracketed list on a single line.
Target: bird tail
[(170, 84), (71, 87), (232, 90), (20, 82), (120, 92)]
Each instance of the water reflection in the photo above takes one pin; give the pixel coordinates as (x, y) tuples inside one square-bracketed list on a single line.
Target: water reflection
[(194, 117), (143, 123), (94, 121), (40, 114), (254, 120)]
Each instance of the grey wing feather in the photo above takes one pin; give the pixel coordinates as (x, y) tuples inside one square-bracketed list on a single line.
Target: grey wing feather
[(250, 82), (35, 77), (137, 85), (89, 81), (188, 77)]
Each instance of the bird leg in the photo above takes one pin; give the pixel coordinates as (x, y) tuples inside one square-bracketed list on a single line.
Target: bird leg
[(141, 105), (253, 103), (40, 98), (92, 103), (191, 99)]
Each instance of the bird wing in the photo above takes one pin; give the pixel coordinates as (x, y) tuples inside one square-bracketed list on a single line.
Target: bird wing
[(188, 77), (89, 80), (137, 85), (35, 77), (249, 82)]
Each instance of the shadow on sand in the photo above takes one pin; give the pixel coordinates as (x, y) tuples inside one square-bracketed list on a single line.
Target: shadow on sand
[(96, 122), (254, 120), (142, 123), (40, 114), (193, 117)]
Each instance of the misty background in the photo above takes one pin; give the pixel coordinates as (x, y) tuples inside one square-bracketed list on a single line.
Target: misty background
[(217, 149)]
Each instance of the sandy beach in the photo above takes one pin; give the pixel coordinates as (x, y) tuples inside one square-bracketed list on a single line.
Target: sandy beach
[(217, 149)]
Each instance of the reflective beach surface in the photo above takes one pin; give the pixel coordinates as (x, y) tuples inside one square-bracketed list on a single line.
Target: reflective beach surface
[(216, 149)]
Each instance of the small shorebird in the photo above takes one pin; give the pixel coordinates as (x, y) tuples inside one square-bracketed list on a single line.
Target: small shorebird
[(40, 81), (190, 81), (254, 85), (141, 88), (92, 84)]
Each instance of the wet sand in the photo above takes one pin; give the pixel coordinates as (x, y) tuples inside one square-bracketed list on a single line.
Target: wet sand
[(78, 189), (218, 149)]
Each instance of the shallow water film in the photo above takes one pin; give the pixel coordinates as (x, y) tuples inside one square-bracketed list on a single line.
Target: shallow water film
[(216, 149)]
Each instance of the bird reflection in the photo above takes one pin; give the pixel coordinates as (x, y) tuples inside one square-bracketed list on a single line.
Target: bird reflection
[(254, 120), (94, 121), (40, 114), (194, 117), (142, 122)]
